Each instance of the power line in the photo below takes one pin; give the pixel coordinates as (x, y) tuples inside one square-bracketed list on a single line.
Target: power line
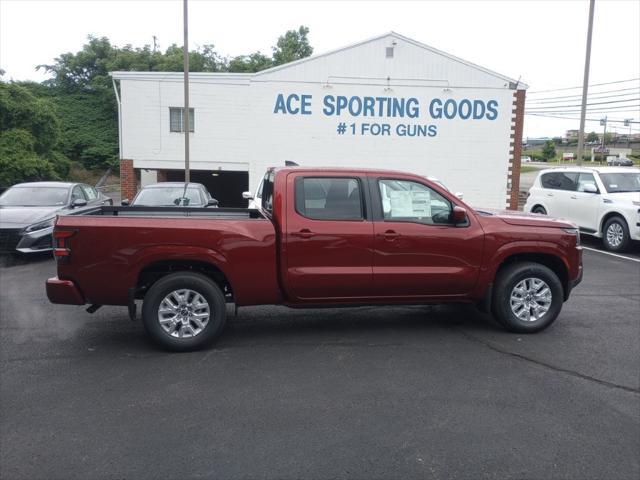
[(537, 102), (575, 118), (580, 86), (592, 93), (576, 110), (594, 103)]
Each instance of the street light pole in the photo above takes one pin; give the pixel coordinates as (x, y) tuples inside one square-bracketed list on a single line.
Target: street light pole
[(585, 83), (187, 174)]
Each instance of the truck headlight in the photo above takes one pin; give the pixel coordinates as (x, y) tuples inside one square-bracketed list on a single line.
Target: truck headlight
[(40, 225), (574, 231)]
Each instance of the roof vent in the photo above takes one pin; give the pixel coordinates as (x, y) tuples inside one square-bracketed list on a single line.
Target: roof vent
[(389, 52)]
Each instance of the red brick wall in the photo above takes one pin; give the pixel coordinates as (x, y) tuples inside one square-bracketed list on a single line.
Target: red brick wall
[(128, 181), (516, 148)]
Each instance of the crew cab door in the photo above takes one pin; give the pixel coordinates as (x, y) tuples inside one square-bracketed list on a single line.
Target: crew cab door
[(418, 252), (329, 240)]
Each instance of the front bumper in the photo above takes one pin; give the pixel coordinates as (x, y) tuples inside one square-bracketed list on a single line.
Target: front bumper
[(38, 241), (64, 291), (575, 282)]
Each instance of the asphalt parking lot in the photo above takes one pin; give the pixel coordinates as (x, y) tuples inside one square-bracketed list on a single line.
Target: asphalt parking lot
[(394, 392)]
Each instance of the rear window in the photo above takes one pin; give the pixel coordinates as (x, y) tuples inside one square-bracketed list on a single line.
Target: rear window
[(267, 191), (329, 198), (559, 180)]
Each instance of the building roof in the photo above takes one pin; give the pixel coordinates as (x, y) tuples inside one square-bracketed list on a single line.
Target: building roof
[(240, 78)]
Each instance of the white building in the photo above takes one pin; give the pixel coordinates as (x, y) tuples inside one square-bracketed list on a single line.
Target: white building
[(388, 102)]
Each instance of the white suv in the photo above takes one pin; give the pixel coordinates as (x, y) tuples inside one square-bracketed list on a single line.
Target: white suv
[(602, 201)]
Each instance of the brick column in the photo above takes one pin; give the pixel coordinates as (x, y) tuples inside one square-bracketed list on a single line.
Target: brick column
[(515, 149), (128, 181)]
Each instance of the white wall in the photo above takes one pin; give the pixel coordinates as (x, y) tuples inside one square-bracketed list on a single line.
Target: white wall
[(236, 127)]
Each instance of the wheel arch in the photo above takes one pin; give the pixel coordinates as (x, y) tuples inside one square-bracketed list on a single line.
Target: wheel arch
[(539, 204), (609, 215), (154, 271), (553, 262)]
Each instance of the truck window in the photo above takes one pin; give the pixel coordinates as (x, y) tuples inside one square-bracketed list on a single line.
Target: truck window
[(411, 201), (329, 198), (267, 191)]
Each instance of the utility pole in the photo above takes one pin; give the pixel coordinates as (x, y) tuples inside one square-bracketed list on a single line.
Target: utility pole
[(604, 134), (187, 175), (585, 83), (627, 123)]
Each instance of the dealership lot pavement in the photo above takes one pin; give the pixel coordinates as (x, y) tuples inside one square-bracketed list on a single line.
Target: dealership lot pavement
[(402, 392)]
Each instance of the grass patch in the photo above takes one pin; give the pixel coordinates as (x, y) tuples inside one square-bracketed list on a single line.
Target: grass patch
[(528, 168)]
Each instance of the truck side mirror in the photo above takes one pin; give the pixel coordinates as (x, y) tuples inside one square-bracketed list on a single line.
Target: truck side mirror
[(125, 202), (212, 202), (247, 195), (590, 188), (459, 217), (78, 202)]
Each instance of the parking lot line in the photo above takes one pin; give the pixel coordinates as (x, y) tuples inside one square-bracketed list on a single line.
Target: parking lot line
[(612, 254)]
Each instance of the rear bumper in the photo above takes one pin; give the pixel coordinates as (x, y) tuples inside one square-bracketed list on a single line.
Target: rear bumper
[(64, 291)]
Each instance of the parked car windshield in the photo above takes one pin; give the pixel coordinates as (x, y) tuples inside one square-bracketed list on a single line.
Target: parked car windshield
[(169, 197), (35, 196), (621, 182)]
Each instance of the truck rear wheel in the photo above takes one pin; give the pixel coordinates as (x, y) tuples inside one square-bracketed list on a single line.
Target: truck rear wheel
[(184, 311), (527, 297)]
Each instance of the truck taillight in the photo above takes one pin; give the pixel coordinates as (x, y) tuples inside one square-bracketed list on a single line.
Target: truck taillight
[(61, 249)]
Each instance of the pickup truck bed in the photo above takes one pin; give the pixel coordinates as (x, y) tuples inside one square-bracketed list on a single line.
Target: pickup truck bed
[(124, 247)]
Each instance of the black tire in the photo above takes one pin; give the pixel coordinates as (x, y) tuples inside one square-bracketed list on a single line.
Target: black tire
[(184, 281), (618, 227), (539, 209), (507, 279)]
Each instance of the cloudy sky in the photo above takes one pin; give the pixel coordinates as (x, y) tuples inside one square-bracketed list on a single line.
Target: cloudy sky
[(543, 42)]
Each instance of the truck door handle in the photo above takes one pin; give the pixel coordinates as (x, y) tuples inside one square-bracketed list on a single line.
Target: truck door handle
[(573, 196), (549, 194), (304, 233), (390, 235)]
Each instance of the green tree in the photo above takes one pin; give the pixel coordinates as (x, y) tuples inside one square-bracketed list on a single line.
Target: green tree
[(82, 91), (291, 46), (548, 150), (249, 63), (592, 137), (29, 136)]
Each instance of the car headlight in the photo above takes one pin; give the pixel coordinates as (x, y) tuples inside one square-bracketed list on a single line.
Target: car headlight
[(574, 231), (40, 225)]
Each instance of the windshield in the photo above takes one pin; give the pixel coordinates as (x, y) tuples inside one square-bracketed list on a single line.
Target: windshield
[(169, 197), (621, 182), (35, 196)]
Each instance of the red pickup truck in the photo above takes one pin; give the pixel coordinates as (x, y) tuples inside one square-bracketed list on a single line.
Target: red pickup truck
[(322, 237)]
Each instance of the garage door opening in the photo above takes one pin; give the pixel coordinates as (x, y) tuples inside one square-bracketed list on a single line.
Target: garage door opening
[(224, 186)]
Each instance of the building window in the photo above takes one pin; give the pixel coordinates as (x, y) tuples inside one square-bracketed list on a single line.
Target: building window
[(389, 52), (176, 119)]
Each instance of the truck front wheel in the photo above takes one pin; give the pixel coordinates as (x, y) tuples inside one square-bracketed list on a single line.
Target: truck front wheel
[(527, 297), (184, 311)]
